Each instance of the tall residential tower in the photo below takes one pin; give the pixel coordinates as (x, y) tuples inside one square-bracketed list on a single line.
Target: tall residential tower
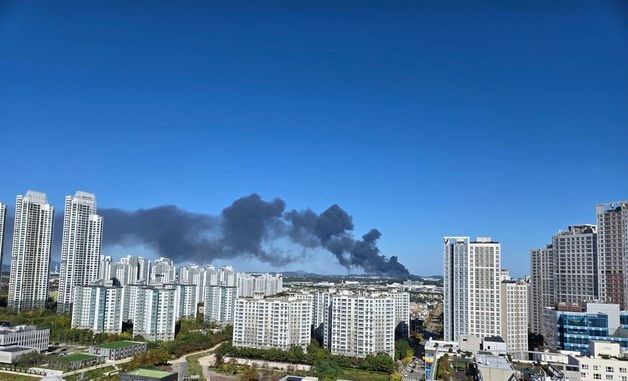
[(471, 287), (3, 219), (30, 263), (80, 249), (612, 244)]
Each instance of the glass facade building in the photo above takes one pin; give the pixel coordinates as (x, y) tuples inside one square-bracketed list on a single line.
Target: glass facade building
[(573, 331)]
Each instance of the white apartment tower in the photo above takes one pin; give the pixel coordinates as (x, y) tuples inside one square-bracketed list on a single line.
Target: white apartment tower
[(219, 303), (514, 314), (471, 287), (266, 284), (359, 325), (402, 312), (98, 307), (612, 243), (265, 323), (104, 269), (153, 311), (80, 248), (194, 275), (163, 271), (187, 301), (30, 263), (3, 219)]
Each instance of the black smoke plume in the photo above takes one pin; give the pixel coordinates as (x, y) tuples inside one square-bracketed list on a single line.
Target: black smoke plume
[(249, 227)]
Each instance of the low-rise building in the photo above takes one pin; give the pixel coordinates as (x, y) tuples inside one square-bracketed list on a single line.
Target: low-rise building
[(118, 350), (25, 336), (9, 354), (604, 363), (75, 361), (571, 327)]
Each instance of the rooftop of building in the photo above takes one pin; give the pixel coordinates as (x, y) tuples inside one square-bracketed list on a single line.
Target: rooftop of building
[(79, 357), (489, 360), (17, 328), (15, 348), (495, 339), (119, 344), (150, 373)]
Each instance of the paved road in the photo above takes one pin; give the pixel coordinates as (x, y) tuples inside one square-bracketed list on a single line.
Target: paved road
[(184, 357), (413, 371)]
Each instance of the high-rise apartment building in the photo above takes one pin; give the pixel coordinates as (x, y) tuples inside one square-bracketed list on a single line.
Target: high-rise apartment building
[(98, 307), (219, 303), (402, 312), (359, 325), (194, 275), (224, 276), (542, 285), (163, 271), (575, 264), (265, 284), (514, 314), (3, 219), (612, 243), (566, 271), (104, 269), (472, 289), (321, 299), (153, 311), (187, 302), (80, 248), (32, 242), (275, 322)]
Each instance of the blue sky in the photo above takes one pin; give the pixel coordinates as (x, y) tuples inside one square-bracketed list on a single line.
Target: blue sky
[(421, 119)]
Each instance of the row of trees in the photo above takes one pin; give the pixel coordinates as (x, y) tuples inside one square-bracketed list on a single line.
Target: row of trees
[(321, 359)]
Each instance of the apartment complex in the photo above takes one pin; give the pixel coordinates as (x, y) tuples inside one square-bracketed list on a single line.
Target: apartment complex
[(80, 248), (273, 322), (31, 250), (98, 307), (612, 244), (471, 285)]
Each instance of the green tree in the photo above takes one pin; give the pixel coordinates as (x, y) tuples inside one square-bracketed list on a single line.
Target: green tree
[(327, 369), (249, 373)]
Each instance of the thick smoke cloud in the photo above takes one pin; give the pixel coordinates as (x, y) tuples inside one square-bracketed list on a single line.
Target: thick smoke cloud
[(249, 227)]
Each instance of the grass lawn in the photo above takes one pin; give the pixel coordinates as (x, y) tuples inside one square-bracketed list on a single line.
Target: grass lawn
[(92, 374), (363, 375), (15, 377)]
